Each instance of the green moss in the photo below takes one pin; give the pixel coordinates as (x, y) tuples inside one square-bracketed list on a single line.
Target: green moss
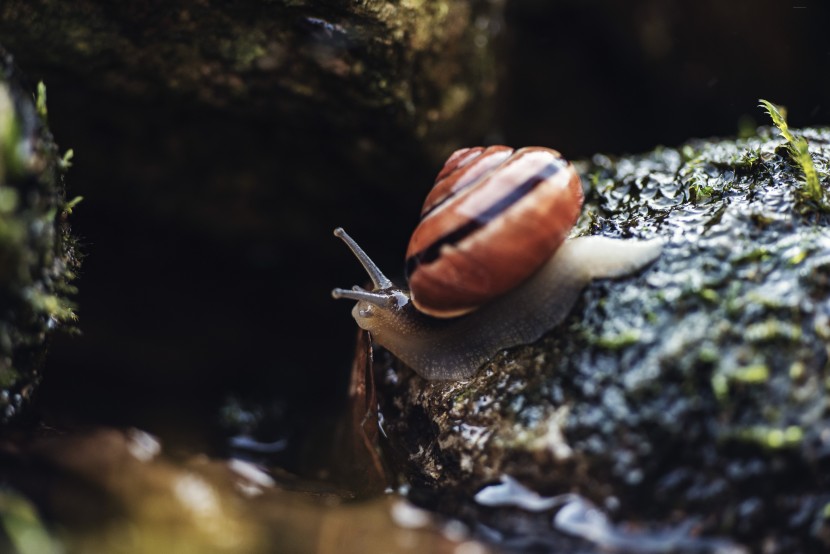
[(619, 340), (798, 257), (800, 153), (755, 255), (10, 161), (798, 370), (708, 354), (778, 114), (69, 206), (66, 160), (772, 329), (53, 306), (37, 254), (699, 189), (8, 201), (23, 527), (772, 438), (40, 103), (12, 230), (8, 376), (753, 374), (720, 387), (727, 377)]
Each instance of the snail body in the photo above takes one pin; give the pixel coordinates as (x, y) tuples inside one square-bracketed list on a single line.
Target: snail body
[(489, 267)]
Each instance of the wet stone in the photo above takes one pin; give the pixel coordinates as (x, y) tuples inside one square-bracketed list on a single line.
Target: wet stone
[(38, 255), (690, 399)]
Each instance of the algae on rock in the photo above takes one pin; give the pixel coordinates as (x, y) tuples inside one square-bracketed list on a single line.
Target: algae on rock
[(697, 388), (38, 258)]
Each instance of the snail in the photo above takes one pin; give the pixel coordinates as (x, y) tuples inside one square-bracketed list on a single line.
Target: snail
[(489, 266)]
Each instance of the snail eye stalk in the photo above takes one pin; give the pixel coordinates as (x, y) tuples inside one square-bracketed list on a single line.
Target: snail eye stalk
[(378, 299), (375, 274)]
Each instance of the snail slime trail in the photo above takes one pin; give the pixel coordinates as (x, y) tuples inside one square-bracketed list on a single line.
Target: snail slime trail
[(489, 266)]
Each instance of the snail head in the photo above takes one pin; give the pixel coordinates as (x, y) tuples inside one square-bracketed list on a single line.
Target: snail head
[(383, 302)]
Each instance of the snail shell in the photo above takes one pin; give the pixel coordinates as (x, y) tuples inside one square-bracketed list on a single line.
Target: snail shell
[(490, 258), (492, 219)]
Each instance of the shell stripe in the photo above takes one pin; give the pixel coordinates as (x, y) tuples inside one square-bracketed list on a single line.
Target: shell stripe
[(450, 195), (433, 251), (479, 162)]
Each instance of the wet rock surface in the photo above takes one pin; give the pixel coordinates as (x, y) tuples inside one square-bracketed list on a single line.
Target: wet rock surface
[(38, 258), (691, 394)]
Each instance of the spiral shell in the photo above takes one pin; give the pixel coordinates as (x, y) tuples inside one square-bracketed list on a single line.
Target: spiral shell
[(492, 219)]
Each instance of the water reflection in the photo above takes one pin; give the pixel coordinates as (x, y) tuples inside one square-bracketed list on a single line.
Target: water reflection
[(578, 517)]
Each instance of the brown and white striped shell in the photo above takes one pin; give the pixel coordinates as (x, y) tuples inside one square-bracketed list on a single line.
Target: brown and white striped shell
[(493, 218)]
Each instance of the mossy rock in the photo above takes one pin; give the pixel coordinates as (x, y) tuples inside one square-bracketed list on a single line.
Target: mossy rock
[(38, 257), (264, 107), (694, 393)]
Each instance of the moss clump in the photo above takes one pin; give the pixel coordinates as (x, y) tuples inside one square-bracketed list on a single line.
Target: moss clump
[(800, 153), (38, 259)]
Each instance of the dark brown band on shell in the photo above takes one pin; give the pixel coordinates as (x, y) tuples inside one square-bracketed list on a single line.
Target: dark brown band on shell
[(510, 213), (462, 170), (499, 206)]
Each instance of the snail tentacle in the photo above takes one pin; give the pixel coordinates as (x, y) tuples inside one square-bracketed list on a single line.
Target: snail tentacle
[(375, 274), (377, 298)]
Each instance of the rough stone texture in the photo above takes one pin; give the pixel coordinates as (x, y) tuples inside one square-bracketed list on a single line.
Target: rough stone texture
[(323, 89), (695, 389), (393, 55), (37, 255)]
